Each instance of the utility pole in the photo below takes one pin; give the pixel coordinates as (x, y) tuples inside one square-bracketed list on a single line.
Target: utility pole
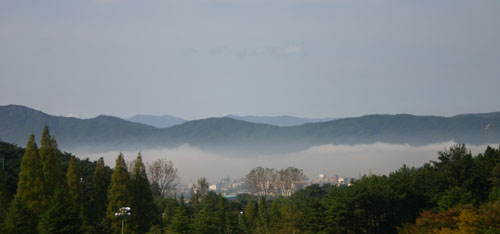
[(3, 162)]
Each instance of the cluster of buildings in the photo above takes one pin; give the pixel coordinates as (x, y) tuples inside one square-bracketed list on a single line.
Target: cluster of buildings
[(333, 180), (232, 187)]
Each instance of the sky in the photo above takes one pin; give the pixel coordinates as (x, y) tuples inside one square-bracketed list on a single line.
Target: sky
[(204, 58)]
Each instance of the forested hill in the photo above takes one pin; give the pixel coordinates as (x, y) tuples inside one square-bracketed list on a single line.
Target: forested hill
[(112, 133)]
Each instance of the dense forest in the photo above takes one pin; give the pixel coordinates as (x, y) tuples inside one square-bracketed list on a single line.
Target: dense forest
[(44, 190)]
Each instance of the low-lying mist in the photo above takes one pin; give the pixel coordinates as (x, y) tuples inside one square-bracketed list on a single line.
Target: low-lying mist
[(341, 160)]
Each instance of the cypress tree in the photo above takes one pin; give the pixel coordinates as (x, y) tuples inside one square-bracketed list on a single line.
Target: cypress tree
[(53, 175), (19, 219), (61, 216), (29, 187), (118, 194), (74, 184), (141, 204), (99, 197)]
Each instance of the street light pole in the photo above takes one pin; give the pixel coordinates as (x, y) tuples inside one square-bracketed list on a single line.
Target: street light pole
[(124, 211)]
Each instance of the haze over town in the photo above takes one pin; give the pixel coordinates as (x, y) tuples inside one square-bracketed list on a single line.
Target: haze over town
[(342, 160)]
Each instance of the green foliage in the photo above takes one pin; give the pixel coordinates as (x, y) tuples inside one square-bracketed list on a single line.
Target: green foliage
[(455, 196), (308, 200), (141, 203), (4, 197), (19, 219), (74, 184), (61, 216), (53, 175), (181, 222), (250, 213), (215, 216), (29, 187), (458, 193), (9, 176), (96, 211), (168, 207), (262, 217), (118, 193)]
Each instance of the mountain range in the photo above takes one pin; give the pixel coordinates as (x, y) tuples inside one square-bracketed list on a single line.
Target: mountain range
[(159, 121), (166, 121), (228, 134), (282, 120)]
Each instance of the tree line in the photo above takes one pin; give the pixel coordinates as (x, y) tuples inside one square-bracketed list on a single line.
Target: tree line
[(54, 192)]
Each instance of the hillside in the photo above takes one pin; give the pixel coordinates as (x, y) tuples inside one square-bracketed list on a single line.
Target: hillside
[(161, 121), (228, 134)]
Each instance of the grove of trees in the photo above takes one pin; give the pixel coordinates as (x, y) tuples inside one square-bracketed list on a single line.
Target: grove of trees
[(44, 190)]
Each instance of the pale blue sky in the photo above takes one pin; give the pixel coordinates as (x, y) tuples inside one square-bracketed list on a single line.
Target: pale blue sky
[(202, 58)]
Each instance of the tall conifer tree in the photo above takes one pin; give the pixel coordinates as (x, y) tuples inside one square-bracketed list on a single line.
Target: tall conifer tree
[(181, 222), (99, 197), (143, 208), (250, 218), (29, 187), (53, 175), (118, 194), (19, 219), (74, 184), (4, 197), (263, 218), (60, 216)]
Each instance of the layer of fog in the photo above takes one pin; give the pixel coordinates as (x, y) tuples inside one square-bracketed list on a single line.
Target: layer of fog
[(341, 160)]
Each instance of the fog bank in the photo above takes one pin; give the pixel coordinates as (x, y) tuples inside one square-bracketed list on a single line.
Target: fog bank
[(342, 160)]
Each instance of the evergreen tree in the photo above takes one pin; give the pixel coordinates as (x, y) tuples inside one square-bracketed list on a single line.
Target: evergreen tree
[(227, 220), (29, 187), (4, 197), (19, 219), (61, 216), (250, 217), (53, 175), (99, 197), (74, 184), (180, 222), (208, 220), (141, 203), (118, 194), (263, 217)]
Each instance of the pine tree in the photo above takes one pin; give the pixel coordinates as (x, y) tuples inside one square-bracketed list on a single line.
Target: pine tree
[(61, 216), (180, 222), (142, 206), (118, 194), (53, 175), (74, 184), (19, 219), (99, 197), (29, 187)]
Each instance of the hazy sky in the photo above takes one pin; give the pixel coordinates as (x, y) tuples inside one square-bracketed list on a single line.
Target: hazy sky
[(201, 58)]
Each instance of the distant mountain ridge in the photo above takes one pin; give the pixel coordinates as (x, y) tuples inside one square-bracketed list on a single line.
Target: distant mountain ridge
[(166, 121), (282, 120), (159, 121), (228, 134)]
